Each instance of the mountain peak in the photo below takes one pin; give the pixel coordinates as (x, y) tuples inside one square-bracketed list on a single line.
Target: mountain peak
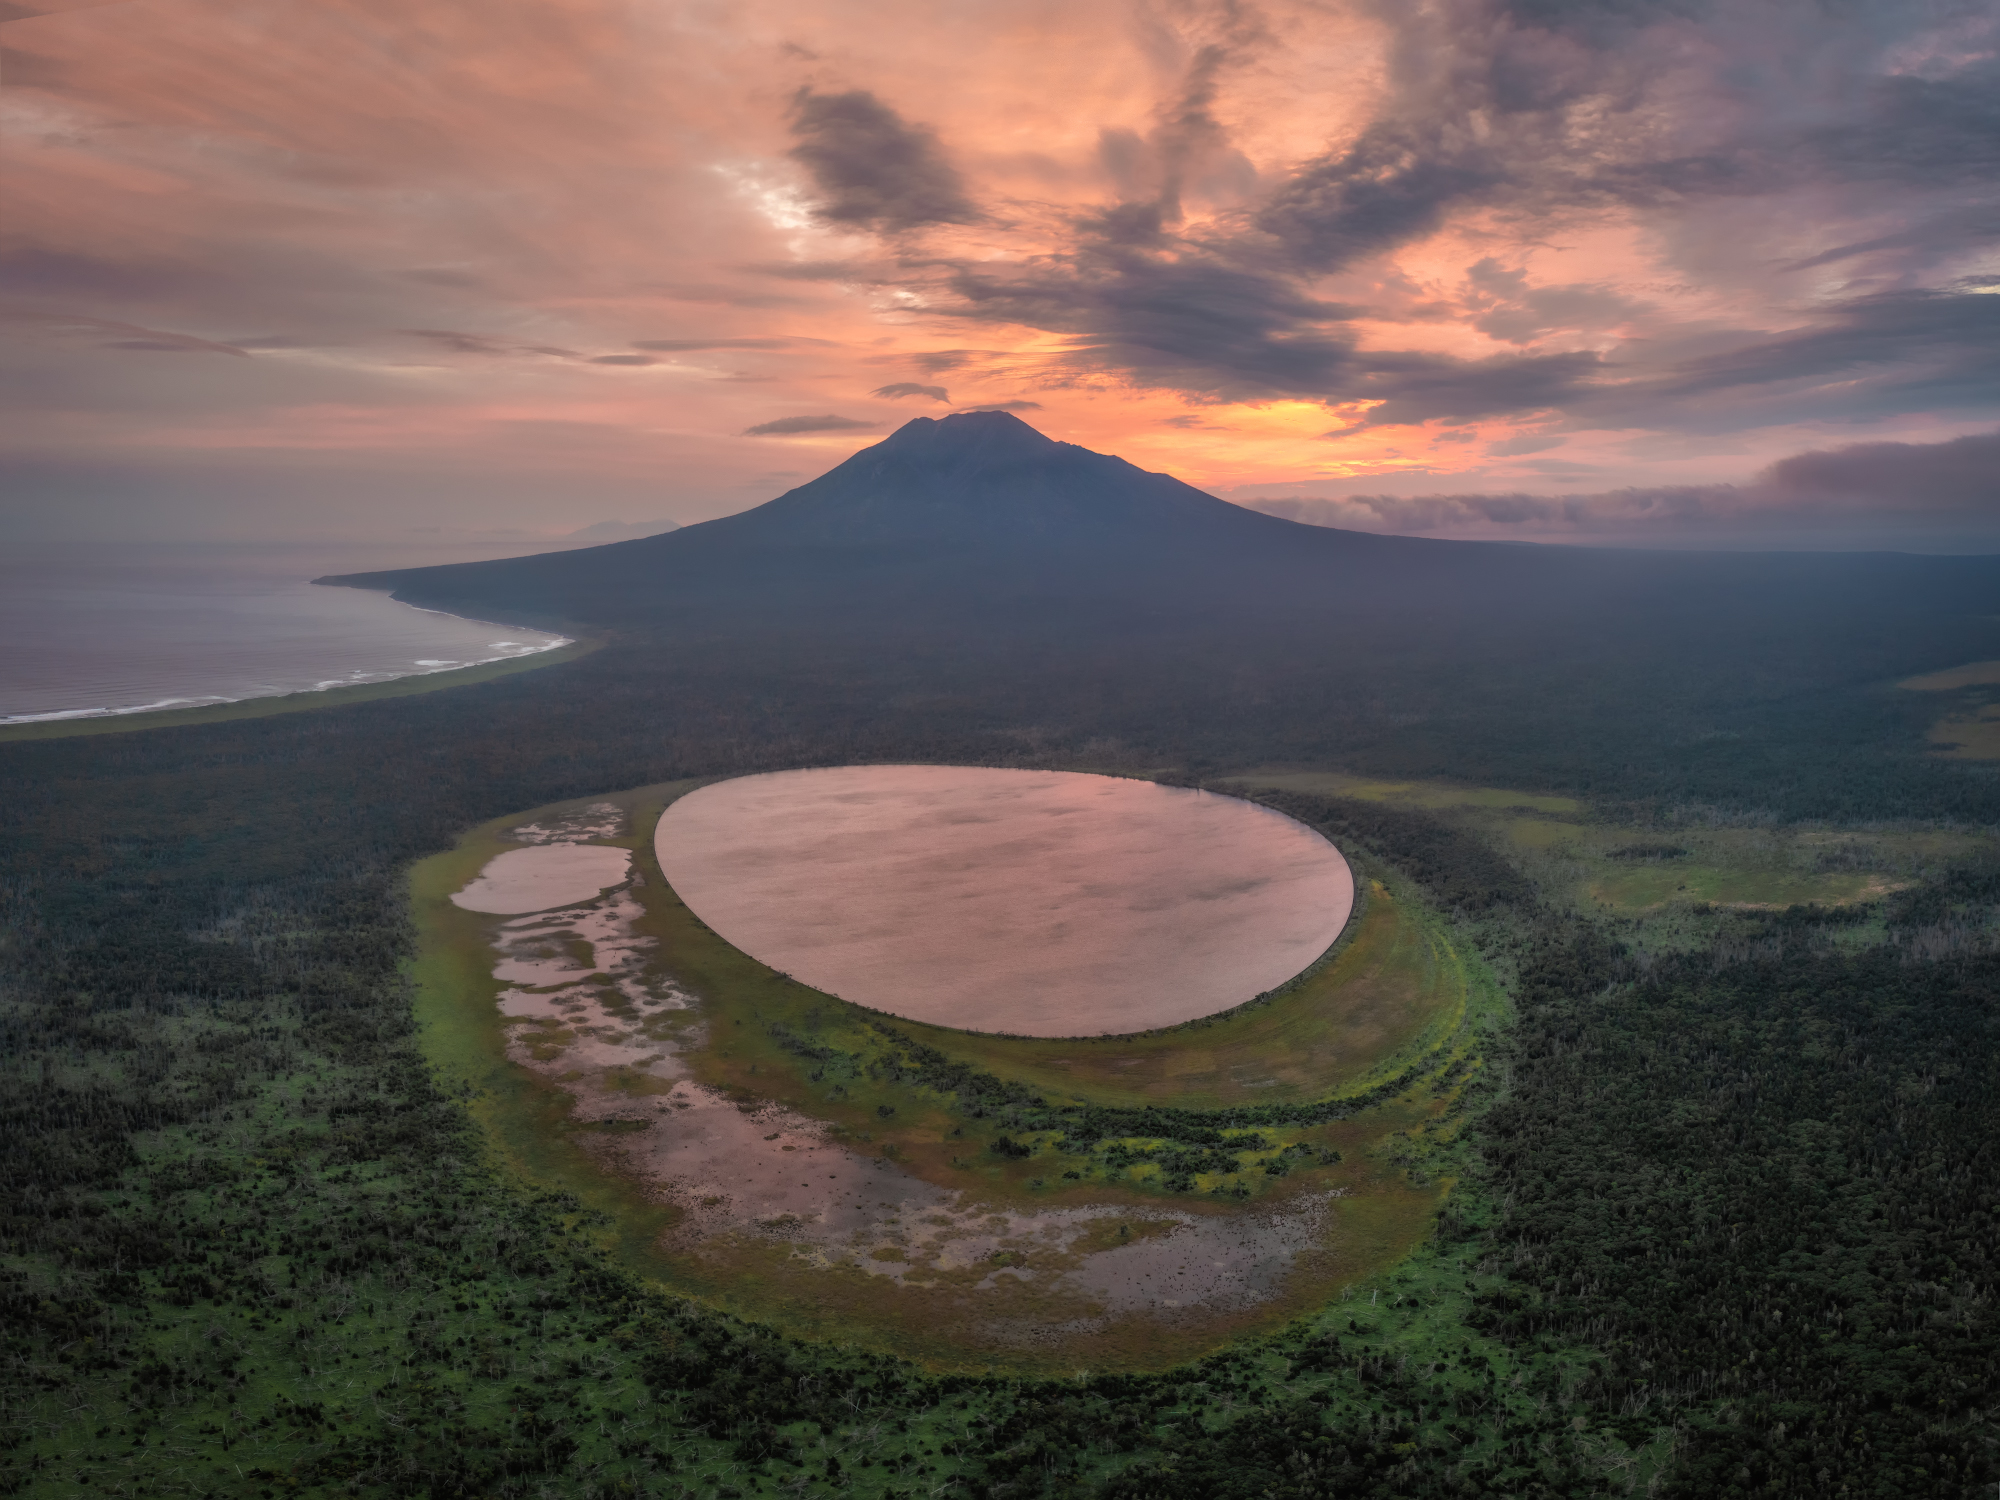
[(985, 479), (967, 434)]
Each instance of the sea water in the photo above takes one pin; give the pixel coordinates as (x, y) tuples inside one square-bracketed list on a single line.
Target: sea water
[(85, 637)]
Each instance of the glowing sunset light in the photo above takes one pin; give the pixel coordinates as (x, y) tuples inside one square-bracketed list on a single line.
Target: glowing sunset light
[(625, 244)]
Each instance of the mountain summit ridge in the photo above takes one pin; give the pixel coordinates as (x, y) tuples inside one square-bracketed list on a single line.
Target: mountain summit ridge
[(971, 431), (984, 478)]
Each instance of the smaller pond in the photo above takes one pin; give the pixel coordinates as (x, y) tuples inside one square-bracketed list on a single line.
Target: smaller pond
[(545, 877), (1035, 903)]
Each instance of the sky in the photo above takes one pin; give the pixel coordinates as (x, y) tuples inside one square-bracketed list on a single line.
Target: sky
[(413, 275)]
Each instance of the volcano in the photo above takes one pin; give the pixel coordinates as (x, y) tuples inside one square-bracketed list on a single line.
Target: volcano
[(963, 500), (978, 519), (989, 479)]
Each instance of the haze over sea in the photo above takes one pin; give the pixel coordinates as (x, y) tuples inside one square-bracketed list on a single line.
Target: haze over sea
[(103, 631)]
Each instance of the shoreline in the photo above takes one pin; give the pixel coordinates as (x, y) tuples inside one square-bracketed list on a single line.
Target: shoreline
[(329, 685), (403, 685), (422, 668)]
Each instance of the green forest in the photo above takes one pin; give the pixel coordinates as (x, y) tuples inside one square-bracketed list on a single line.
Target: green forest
[(1726, 1209)]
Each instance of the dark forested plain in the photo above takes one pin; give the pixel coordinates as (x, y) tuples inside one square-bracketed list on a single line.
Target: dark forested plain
[(1727, 1210)]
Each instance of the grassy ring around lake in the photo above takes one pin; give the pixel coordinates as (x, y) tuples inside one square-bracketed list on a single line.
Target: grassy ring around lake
[(1290, 1133)]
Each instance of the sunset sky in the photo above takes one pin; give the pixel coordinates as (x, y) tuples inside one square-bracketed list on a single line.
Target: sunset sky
[(1677, 273)]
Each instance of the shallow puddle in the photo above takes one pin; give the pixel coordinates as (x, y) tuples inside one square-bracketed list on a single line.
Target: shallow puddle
[(544, 877)]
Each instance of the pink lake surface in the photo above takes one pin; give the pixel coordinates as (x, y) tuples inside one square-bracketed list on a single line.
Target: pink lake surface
[(1036, 903)]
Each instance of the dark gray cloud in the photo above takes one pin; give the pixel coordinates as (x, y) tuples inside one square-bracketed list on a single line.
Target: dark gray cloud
[(1494, 110), (479, 343), (1962, 475), (1953, 230), (1536, 111), (1604, 20), (790, 426), (1199, 325), (1006, 406), (1424, 387), (39, 272), (1216, 329), (460, 343), (1477, 112), (1895, 492), (1392, 185), (1188, 149), (1480, 110), (1917, 347), (1916, 128), (1547, 106), (901, 388), (32, 70), (938, 361), (873, 170), (1506, 308)]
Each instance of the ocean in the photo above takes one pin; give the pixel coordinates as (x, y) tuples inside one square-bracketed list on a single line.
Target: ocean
[(88, 637)]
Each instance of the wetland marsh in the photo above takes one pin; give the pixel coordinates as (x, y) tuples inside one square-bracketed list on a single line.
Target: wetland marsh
[(976, 1200)]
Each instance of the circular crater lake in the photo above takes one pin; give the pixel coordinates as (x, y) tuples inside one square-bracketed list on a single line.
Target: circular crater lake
[(1034, 903)]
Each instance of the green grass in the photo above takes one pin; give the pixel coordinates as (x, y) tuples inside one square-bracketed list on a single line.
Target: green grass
[(1648, 887), (296, 703), (1625, 870), (1393, 979), (1425, 794), (1541, 833), (1576, 857)]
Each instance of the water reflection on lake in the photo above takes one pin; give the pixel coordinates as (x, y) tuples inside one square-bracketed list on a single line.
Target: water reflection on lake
[(1038, 903)]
